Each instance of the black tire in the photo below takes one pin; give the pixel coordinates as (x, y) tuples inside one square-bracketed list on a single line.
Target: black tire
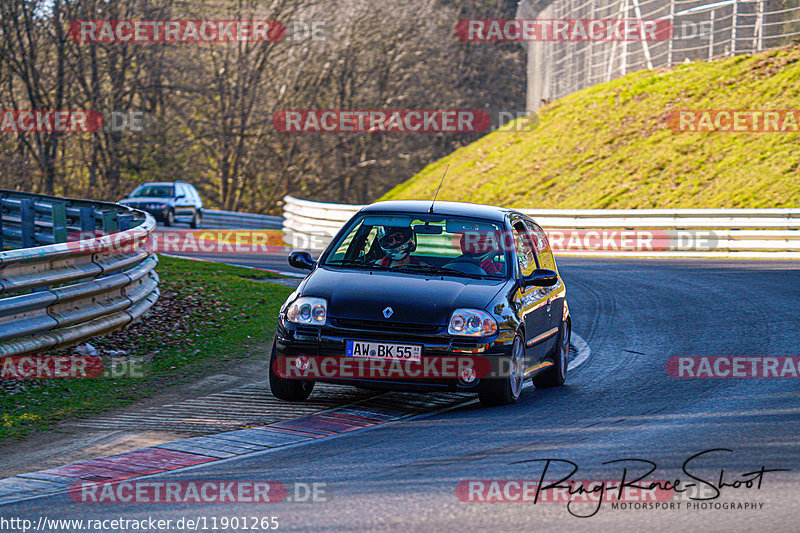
[(170, 218), (289, 390), (505, 391), (197, 219), (557, 374)]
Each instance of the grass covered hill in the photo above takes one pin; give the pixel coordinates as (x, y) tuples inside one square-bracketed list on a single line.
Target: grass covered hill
[(610, 145)]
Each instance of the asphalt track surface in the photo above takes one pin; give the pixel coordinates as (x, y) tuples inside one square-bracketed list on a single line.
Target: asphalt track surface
[(619, 404)]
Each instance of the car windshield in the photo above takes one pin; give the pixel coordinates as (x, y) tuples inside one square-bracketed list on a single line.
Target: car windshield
[(154, 191), (423, 244)]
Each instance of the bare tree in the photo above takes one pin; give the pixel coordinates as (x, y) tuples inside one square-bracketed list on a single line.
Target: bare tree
[(33, 48), (209, 106)]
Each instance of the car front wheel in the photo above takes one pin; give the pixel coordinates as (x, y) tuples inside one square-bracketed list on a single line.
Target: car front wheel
[(170, 219), (290, 390), (504, 391), (196, 220)]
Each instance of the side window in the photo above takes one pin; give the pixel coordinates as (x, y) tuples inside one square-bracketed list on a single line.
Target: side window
[(542, 244), (525, 255), (358, 254), (179, 190)]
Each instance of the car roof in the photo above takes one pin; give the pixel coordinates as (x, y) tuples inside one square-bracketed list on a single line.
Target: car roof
[(169, 183), (488, 212)]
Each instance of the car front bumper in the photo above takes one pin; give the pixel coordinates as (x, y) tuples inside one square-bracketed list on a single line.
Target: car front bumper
[(159, 213), (329, 343)]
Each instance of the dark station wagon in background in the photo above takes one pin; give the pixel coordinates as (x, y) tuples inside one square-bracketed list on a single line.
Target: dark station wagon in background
[(412, 280)]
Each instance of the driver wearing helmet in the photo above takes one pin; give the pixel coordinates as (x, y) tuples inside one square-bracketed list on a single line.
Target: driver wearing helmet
[(397, 242)]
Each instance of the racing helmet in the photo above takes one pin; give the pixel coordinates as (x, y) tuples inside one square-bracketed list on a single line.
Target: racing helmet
[(397, 241)]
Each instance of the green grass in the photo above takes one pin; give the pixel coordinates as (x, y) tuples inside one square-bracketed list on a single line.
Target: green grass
[(210, 315), (608, 146)]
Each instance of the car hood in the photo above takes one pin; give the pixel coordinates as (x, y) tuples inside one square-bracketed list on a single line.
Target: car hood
[(414, 299), (146, 200)]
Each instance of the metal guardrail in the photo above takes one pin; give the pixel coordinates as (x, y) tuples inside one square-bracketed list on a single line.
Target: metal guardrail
[(80, 269), (756, 233), (213, 219)]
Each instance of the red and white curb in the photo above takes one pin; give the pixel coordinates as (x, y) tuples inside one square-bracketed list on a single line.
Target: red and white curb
[(199, 450), (194, 451)]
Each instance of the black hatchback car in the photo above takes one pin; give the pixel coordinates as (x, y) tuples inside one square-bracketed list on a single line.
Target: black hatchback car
[(420, 297), (168, 202)]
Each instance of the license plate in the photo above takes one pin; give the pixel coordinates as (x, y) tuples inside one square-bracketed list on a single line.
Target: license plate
[(384, 350)]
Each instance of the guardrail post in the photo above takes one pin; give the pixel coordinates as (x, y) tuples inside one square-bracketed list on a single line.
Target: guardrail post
[(59, 211), (125, 222), (110, 222), (88, 222), (27, 222)]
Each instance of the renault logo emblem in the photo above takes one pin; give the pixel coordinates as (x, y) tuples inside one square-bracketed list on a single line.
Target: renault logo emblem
[(388, 312)]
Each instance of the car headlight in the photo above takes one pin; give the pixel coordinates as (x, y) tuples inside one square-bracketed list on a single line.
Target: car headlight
[(307, 310), (471, 322)]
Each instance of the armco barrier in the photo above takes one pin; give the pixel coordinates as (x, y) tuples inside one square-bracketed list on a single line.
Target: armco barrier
[(746, 233), (213, 219), (80, 269)]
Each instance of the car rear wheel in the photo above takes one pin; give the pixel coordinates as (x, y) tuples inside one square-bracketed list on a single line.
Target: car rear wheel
[(170, 220), (196, 220), (290, 390), (557, 374), (505, 391)]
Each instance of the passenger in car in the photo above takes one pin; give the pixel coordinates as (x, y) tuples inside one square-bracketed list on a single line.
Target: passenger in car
[(482, 248)]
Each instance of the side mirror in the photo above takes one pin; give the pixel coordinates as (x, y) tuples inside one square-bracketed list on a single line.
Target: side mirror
[(301, 260), (180, 196), (541, 277)]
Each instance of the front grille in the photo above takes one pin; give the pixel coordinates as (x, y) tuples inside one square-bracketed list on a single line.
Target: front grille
[(306, 333), (465, 344), (375, 325), (468, 346)]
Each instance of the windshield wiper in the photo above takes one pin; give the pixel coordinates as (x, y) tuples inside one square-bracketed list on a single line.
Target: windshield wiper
[(432, 269), (359, 264)]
